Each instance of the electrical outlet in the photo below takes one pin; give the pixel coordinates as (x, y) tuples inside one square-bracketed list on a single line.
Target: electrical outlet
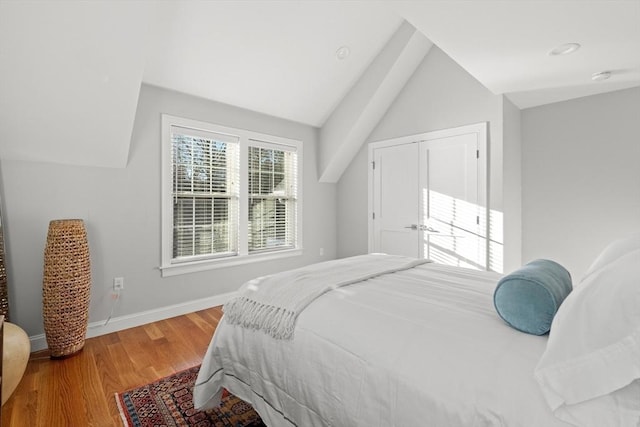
[(118, 283)]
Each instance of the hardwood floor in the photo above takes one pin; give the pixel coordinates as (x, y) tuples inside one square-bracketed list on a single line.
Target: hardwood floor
[(79, 391)]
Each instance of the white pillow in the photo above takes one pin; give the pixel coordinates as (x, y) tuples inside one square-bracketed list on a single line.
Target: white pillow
[(589, 373), (615, 250)]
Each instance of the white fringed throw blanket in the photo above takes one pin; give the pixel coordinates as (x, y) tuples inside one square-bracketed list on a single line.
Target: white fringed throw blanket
[(272, 303)]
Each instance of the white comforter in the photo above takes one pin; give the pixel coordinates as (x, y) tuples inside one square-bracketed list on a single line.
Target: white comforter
[(273, 303), (421, 347)]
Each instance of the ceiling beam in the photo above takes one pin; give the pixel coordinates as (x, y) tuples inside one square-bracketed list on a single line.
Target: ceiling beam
[(359, 112)]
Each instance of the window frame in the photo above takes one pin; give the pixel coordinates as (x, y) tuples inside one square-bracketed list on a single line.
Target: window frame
[(247, 138)]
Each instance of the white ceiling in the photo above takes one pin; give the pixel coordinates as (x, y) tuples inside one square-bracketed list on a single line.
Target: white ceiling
[(505, 44), (275, 57), (69, 81), (278, 57), (73, 68)]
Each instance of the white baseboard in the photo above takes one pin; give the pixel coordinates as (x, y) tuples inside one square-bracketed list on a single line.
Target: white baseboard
[(39, 342)]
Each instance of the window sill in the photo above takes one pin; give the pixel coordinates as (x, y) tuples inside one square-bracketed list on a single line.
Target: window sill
[(212, 264)]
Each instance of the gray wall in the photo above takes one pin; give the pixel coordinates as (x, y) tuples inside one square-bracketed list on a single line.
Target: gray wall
[(440, 95), (121, 208), (512, 185), (580, 177)]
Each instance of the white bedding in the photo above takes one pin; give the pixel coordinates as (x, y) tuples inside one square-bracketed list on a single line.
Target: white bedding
[(272, 303), (421, 347)]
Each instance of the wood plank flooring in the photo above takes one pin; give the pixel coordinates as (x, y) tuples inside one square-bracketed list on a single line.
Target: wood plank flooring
[(79, 391)]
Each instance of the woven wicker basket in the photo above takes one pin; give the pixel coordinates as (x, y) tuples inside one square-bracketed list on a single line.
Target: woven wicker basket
[(66, 287)]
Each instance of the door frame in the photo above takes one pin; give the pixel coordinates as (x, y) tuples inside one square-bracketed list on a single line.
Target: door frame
[(481, 129)]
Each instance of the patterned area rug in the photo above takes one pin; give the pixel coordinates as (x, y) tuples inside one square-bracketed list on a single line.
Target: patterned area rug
[(169, 402)]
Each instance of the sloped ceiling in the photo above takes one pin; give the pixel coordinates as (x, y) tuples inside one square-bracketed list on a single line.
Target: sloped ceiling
[(70, 71), (275, 57), (70, 74), (506, 44)]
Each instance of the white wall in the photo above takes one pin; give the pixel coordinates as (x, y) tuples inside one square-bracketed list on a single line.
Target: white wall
[(581, 177), (512, 185), (121, 208), (440, 95), (352, 207)]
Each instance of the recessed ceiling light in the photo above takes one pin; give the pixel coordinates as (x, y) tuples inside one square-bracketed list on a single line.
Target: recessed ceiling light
[(343, 52), (602, 75), (565, 49)]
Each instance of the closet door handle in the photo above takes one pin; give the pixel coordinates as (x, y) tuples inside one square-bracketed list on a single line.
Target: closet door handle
[(413, 226)]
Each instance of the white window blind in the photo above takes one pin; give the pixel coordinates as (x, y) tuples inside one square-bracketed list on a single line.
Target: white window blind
[(229, 196), (272, 182), (205, 194)]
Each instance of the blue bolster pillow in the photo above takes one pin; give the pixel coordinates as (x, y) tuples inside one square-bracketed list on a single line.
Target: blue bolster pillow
[(528, 298)]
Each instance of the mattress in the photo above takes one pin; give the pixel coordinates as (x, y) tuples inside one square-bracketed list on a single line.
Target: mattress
[(420, 347)]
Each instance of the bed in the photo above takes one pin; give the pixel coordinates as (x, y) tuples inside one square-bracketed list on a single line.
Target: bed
[(423, 345)]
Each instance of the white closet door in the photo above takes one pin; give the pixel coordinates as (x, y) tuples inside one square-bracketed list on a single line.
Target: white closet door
[(395, 205), (450, 215), (429, 196)]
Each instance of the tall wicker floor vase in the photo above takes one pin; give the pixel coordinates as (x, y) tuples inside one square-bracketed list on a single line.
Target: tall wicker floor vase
[(66, 287)]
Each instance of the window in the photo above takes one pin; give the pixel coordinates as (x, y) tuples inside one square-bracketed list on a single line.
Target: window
[(205, 177), (272, 198), (229, 196)]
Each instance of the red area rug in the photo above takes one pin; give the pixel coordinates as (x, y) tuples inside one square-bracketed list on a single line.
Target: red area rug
[(169, 402)]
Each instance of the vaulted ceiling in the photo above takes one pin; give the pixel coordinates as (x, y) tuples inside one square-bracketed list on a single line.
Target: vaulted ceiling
[(70, 71)]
